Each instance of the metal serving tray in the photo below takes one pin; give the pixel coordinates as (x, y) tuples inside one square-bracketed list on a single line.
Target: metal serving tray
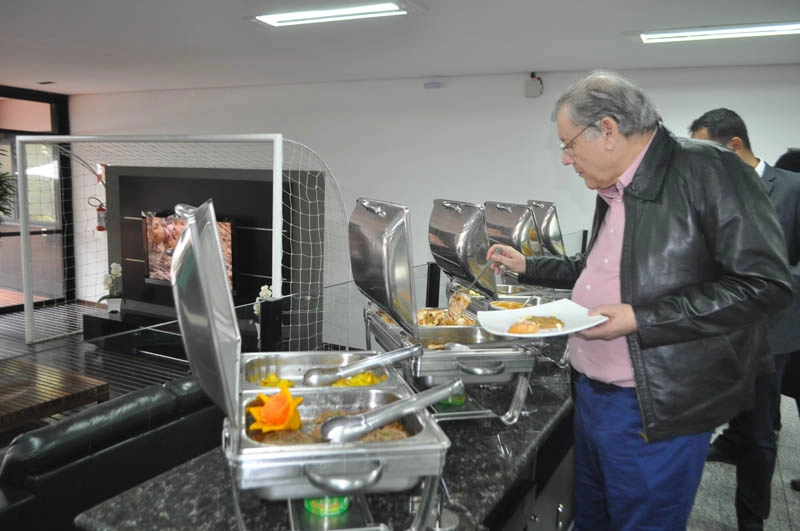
[(292, 366), (459, 242), (380, 244), (514, 225), (319, 469), (212, 340), (499, 362)]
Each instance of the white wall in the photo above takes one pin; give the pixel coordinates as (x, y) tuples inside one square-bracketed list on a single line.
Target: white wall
[(475, 139)]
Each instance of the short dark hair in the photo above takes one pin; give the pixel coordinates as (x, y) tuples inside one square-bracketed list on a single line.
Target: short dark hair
[(722, 125), (789, 160)]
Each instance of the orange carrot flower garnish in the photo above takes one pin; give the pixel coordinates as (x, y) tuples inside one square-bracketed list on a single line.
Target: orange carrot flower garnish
[(278, 412)]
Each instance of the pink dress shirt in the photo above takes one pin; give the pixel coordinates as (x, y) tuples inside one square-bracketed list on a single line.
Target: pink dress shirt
[(598, 283)]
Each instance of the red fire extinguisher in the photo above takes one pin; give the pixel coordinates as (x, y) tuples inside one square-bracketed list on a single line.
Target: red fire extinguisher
[(101, 212)]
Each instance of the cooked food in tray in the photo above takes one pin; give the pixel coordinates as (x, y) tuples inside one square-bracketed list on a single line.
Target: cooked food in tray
[(361, 379), (441, 317), (532, 324), (276, 420), (273, 380)]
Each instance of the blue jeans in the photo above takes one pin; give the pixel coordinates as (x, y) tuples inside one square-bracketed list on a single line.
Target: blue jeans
[(621, 481)]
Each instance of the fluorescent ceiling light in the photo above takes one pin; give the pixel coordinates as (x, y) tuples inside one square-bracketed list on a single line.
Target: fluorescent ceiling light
[(733, 32), (332, 15)]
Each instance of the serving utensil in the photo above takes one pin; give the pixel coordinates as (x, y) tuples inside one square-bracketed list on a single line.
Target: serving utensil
[(459, 299), (326, 376), (353, 427)]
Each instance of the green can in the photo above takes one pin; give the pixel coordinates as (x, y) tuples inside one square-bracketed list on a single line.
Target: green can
[(454, 400), (327, 506)]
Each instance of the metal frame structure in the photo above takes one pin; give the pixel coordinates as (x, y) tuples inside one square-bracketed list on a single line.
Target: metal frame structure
[(22, 194)]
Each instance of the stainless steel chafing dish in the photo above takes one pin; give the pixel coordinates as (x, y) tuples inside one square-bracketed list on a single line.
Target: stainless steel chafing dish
[(534, 230), (514, 225), (381, 261), (459, 242), (546, 218), (211, 336)]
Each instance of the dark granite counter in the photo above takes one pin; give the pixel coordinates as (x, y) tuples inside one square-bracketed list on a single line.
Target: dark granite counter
[(483, 464)]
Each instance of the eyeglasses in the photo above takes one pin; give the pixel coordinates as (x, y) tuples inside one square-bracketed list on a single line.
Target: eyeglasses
[(567, 147)]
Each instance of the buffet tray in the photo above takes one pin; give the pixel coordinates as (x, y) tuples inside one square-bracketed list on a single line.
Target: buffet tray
[(292, 366), (324, 468), (461, 359), (212, 340)]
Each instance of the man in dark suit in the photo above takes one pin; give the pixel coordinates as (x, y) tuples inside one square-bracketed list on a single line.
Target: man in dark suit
[(750, 439), (791, 376)]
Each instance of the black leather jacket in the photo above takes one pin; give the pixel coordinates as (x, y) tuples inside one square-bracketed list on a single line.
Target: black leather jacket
[(703, 265)]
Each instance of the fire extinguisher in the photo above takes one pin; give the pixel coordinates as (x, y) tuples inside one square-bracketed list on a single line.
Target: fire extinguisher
[(101, 212)]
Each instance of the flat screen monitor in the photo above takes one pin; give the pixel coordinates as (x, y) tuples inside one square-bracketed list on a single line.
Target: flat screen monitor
[(161, 233)]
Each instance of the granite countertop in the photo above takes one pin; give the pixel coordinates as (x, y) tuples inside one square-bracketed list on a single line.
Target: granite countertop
[(484, 459)]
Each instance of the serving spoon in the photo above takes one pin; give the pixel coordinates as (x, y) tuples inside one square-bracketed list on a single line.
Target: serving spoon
[(459, 300), (326, 376), (353, 427)]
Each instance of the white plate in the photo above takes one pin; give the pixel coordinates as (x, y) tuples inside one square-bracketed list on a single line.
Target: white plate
[(575, 317)]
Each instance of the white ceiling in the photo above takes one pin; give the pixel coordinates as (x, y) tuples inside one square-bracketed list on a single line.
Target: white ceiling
[(104, 46)]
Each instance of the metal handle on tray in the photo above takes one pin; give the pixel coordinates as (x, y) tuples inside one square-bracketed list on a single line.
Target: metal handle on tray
[(495, 368), (341, 482), (505, 208), (452, 206), (374, 209), (183, 210)]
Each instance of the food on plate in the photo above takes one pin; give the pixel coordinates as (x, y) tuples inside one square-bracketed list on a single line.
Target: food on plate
[(523, 327), (435, 346), (440, 317), (359, 380), (275, 413), (534, 324), (273, 380), (506, 305)]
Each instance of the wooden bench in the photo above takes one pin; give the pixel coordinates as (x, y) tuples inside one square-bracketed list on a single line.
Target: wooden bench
[(29, 392)]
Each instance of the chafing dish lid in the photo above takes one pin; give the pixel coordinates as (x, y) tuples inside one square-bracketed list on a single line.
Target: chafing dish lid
[(513, 225), (544, 212), (205, 308), (459, 242), (380, 258)]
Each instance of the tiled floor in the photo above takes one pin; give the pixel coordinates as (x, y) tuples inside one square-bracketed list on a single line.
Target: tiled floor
[(713, 508)]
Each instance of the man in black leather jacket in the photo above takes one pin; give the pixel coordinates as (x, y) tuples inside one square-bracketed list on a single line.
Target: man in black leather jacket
[(750, 441), (696, 266)]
